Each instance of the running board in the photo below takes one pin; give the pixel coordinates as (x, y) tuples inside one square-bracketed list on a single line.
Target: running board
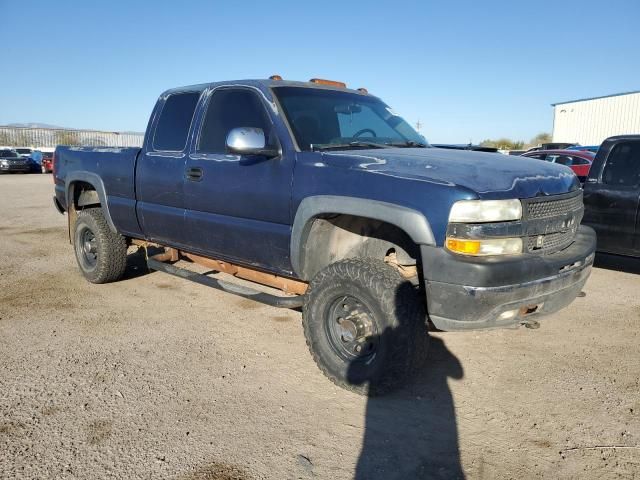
[(229, 287)]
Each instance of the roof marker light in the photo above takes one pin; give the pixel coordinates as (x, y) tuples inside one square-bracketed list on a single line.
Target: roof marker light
[(322, 81), (275, 77), (363, 90)]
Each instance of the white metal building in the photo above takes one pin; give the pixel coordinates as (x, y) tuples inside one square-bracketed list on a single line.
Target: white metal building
[(589, 121)]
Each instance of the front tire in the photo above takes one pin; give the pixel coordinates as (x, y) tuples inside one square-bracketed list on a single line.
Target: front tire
[(365, 326), (101, 254)]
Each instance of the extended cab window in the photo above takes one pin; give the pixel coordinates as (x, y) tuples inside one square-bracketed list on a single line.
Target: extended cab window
[(623, 165), (229, 109), (175, 120)]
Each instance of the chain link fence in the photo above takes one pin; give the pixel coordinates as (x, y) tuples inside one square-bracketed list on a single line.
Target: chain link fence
[(50, 137)]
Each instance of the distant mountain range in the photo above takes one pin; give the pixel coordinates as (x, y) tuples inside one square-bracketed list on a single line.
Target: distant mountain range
[(32, 125)]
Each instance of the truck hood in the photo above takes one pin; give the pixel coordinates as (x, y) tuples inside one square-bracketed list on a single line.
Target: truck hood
[(489, 175)]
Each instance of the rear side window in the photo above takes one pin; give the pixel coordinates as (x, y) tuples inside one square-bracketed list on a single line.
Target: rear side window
[(229, 109), (175, 120), (580, 161), (564, 160), (623, 165)]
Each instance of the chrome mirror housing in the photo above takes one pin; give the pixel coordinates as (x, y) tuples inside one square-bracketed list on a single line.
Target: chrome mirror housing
[(250, 141), (246, 140)]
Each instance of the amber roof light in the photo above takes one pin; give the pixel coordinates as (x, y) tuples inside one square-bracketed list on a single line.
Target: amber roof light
[(333, 83), (275, 77)]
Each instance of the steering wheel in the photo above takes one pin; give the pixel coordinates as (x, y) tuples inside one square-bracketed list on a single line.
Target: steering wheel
[(364, 130)]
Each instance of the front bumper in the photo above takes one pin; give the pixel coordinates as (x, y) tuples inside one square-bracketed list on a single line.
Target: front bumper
[(15, 168), (476, 293)]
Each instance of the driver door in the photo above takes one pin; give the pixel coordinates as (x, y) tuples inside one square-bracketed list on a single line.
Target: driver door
[(238, 207)]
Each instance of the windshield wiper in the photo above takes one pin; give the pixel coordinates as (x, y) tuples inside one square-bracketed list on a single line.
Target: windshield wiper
[(344, 146), (407, 144)]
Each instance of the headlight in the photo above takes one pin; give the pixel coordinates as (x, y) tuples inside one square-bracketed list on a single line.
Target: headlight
[(481, 211), (488, 246)]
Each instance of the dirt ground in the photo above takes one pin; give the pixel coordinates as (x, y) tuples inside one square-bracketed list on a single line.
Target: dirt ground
[(156, 377)]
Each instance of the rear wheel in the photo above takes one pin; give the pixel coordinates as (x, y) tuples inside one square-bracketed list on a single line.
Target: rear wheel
[(365, 325), (101, 254)]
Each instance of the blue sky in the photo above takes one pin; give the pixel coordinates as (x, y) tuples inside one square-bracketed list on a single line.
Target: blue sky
[(467, 69)]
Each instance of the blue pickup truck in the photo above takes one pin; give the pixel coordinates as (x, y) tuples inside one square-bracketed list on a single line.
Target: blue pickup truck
[(327, 195)]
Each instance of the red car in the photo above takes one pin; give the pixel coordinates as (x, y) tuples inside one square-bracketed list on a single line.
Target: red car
[(577, 160), (47, 162)]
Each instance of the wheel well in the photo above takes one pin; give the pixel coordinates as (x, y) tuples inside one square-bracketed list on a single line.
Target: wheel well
[(81, 195), (334, 237), (84, 195)]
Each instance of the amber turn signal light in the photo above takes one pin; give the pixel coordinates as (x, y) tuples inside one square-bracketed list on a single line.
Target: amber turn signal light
[(468, 247), (333, 83), (275, 77)]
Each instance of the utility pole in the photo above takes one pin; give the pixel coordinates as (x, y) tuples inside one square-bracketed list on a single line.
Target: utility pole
[(418, 125)]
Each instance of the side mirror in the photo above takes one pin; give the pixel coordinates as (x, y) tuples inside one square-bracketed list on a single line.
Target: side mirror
[(249, 141)]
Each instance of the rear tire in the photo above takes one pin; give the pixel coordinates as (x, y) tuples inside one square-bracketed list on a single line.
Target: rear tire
[(365, 326), (101, 254)]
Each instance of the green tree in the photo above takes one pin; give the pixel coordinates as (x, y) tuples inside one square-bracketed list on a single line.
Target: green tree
[(503, 144), (540, 139)]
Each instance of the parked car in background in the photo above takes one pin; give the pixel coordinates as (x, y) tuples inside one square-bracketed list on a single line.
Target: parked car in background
[(578, 161), (612, 195), (11, 162), (551, 146), (33, 157), (586, 148), (24, 151), (47, 162)]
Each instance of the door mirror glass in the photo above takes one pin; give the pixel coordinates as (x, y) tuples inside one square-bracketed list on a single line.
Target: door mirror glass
[(249, 141)]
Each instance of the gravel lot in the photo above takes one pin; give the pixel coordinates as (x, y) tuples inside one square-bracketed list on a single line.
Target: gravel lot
[(155, 377)]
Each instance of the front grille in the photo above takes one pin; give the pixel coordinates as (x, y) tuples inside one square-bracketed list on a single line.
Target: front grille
[(551, 242), (551, 223), (548, 208)]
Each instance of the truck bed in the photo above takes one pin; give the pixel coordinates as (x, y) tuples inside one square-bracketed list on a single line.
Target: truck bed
[(112, 167)]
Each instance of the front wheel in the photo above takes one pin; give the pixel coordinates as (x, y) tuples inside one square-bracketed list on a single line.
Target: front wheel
[(100, 252), (364, 325)]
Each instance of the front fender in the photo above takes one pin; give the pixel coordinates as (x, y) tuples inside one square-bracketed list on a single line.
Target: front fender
[(410, 221)]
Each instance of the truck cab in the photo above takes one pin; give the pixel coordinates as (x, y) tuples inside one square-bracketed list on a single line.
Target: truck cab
[(612, 195)]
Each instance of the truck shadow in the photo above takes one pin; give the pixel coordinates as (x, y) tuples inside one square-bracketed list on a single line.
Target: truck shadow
[(136, 264), (412, 433), (619, 263)]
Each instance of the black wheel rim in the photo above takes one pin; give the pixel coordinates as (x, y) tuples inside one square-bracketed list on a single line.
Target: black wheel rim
[(88, 248), (351, 329)]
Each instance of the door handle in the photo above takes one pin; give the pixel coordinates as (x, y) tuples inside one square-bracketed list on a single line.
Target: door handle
[(194, 174)]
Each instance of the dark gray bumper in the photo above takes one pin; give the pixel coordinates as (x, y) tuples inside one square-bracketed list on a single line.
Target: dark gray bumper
[(489, 297), (15, 169)]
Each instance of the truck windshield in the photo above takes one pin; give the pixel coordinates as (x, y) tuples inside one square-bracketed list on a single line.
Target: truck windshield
[(325, 119)]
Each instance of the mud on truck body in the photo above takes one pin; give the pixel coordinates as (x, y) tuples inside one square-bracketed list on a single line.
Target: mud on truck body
[(326, 194)]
